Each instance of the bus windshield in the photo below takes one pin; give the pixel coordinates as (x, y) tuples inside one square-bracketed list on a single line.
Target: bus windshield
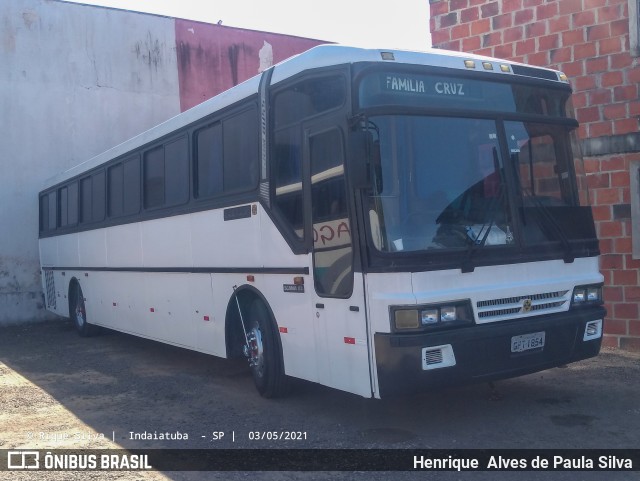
[(444, 183)]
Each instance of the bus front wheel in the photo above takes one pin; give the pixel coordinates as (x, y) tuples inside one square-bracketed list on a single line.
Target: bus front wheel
[(265, 356)]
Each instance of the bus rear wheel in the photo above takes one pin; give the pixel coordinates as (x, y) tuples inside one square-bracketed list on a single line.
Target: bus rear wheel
[(78, 313), (265, 356)]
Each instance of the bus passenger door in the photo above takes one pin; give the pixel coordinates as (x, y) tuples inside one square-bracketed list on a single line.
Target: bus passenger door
[(338, 309)]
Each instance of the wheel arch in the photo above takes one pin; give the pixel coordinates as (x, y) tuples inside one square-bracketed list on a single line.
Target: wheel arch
[(74, 284), (234, 335)]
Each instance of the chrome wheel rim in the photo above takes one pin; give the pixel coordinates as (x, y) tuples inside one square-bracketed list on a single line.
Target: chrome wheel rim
[(257, 351)]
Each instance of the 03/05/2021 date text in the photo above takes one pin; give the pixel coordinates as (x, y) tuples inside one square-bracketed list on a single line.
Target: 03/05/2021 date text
[(277, 435)]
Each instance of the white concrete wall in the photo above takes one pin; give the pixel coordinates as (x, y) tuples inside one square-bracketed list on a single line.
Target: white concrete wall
[(74, 81)]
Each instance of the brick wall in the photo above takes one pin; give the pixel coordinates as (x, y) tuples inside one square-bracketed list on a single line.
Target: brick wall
[(589, 40)]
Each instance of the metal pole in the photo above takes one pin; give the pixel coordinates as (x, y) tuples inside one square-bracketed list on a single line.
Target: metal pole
[(244, 329)]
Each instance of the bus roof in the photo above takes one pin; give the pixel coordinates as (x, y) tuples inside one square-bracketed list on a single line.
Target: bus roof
[(327, 55), (316, 57)]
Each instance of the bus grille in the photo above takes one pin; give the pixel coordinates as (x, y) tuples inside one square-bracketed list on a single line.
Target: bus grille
[(511, 307), (51, 289), (433, 357)]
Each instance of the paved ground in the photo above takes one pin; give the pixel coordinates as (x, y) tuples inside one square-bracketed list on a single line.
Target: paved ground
[(58, 390)]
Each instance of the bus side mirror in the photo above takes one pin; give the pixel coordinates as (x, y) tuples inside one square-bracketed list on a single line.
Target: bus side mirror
[(364, 160)]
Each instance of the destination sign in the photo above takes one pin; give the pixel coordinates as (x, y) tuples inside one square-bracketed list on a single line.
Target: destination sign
[(431, 86), (418, 89), (477, 91)]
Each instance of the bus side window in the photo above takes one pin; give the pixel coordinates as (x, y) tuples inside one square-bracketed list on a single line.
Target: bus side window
[(115, 186), (308, 98), (98, 201), (226, 156), (288, 178), (44, 213), (154, 178), (240, 157), (208, 162), (68, 199), (72, 212), (53, 210), (166, 174), (291, 107), (131, 187), (64, 205), (123, 188), (332, 248), (85, 200), (176, 171)]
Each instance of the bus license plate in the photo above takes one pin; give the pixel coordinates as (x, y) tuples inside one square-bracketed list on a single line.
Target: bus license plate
[(527, 342)]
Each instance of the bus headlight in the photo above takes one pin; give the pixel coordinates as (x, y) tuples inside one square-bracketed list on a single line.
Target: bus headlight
[(434, 316), (587, 295), (429, 316), (406, 319)]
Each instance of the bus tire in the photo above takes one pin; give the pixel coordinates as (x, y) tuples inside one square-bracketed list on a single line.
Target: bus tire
[(268, 369), (78, 312)]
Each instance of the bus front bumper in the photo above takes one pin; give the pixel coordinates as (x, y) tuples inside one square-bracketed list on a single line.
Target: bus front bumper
[(482, 352)]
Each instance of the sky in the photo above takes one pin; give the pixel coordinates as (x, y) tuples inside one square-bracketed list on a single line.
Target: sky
[(403, 24)]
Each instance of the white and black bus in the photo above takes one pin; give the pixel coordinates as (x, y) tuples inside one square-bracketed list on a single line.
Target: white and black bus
[(374, 221)]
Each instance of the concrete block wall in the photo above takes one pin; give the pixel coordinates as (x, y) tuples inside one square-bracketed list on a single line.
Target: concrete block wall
[(589, 40), (76, 80)]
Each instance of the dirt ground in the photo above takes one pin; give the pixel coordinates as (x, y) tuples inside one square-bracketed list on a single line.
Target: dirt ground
[(58, 390)]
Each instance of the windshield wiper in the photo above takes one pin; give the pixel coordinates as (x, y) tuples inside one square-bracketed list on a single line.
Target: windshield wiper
[(485, 230), (568, 257)]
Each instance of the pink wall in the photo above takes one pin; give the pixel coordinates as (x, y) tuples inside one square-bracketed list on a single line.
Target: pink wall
[(214, 58)]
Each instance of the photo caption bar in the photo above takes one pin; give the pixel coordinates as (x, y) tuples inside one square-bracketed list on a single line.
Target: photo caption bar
[(320, 460)]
